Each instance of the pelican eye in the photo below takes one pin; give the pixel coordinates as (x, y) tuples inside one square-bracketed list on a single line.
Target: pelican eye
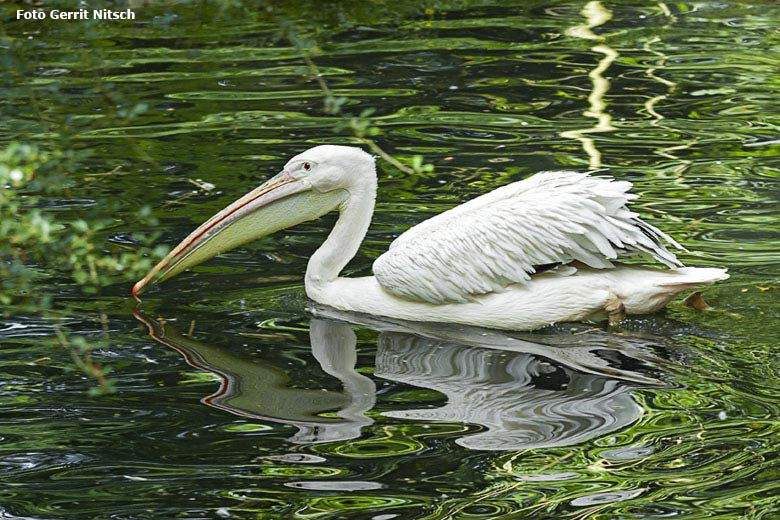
[(307, 166)]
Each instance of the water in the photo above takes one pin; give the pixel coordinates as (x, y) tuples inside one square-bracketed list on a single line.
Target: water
[(241, 405)]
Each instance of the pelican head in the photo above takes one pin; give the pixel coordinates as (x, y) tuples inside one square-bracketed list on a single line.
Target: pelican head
[(311, 184)]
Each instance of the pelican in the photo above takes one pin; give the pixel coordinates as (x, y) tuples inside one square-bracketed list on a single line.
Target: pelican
[(526, 255)]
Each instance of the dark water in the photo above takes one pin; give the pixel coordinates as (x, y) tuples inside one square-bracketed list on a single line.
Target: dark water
[(240, 405)]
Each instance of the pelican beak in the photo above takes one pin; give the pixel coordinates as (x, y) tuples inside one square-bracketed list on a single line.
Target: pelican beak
[(281, 202)]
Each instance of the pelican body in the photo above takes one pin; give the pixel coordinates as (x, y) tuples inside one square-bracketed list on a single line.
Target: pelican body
[(526, 255)]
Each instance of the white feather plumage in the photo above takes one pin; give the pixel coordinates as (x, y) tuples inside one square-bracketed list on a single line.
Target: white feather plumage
[(549, 218), (471, 265)]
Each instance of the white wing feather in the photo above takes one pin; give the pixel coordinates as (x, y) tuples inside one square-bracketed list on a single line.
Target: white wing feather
[(501, 237)]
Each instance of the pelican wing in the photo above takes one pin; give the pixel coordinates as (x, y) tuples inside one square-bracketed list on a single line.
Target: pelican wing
[(504, 236)]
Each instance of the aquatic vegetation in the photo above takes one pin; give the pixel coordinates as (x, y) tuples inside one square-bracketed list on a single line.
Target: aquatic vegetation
[(37, 248)]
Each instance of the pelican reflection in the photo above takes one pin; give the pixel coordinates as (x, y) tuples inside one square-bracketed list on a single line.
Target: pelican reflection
[(524, 392)]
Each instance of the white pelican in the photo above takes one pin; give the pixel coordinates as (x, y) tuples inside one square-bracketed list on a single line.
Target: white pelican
[(528, 254)]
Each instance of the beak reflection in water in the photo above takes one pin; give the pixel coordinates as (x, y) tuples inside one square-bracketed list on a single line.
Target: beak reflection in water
[(521, 398)]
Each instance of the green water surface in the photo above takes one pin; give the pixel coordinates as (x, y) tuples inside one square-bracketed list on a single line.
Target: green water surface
[(239, 404)]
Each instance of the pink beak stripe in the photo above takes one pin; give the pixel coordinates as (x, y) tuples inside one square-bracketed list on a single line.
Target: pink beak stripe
[(186, 244)]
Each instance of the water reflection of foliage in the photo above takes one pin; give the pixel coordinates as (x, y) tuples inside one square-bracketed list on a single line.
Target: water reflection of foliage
[(36, 247), (48, 238), (706, 449), (38, 250)]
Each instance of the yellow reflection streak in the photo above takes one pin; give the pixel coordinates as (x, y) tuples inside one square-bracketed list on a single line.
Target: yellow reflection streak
[(595, 15), (651, 103)]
